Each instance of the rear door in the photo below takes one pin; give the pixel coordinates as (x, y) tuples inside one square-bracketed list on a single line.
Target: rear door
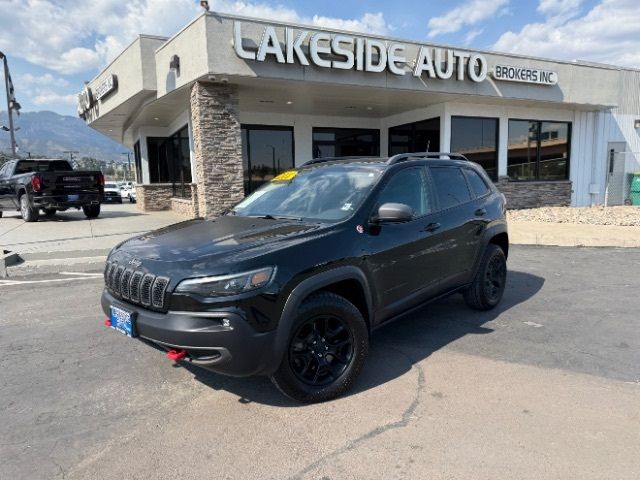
[(457, 217)]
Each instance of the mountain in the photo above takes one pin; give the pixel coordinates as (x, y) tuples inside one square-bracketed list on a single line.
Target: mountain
[(50, 134)]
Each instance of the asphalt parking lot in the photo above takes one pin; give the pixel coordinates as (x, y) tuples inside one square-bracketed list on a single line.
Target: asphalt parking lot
[(545, 386)]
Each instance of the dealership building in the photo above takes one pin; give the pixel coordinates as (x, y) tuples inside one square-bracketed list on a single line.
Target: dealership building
[(228, 102)]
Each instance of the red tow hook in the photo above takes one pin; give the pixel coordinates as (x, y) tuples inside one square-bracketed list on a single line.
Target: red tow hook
[(176, 355), (107, 322)]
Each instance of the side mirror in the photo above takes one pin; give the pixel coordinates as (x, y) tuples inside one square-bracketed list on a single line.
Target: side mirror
[(394, 212)]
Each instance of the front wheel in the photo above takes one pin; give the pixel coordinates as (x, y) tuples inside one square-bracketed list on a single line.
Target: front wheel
[(488, 285), (326, 350), (91, 211), (29, 214)]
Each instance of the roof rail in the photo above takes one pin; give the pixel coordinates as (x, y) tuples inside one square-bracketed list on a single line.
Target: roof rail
[(332, 159), (403, 157)]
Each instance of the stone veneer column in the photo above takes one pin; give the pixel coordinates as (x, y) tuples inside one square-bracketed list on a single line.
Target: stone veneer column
[(217, 142)]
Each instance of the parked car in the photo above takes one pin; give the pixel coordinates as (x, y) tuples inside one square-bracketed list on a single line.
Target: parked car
[(291, 282), (112, 193), (31, 186), (133, 196), (125, 191)]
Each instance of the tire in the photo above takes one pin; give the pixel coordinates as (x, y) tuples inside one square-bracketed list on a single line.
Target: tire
[(488, 285), (29, 214), (120, 200), (332, 328), (0, 213), (49, 212), (91, 211)]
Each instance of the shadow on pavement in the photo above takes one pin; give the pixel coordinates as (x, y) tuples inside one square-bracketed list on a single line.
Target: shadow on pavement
[(394, 347)]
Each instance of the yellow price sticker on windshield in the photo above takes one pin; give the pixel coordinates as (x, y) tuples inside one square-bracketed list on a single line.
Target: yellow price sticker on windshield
[(285, 176)]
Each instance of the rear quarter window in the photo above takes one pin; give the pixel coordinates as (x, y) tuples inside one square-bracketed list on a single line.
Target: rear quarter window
[(450, 186), (477, 183)]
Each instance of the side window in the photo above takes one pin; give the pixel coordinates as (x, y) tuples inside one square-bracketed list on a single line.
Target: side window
[(477, 183), (408, 186), (2, 170), (450, 186)]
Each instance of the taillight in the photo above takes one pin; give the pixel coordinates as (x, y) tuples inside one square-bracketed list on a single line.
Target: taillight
[(36, 183), (101, 180)]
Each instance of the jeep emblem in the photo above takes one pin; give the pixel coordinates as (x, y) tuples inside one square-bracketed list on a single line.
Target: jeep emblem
[(134, 262)]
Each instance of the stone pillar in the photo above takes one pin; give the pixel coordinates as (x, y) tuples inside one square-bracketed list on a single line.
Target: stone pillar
[(217, 143)]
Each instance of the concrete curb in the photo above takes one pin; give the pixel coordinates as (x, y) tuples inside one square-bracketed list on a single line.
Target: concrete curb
[(7, 259), (87, 264)]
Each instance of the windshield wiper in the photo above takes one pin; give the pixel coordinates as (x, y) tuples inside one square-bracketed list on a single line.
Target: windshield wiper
[(268, 216)]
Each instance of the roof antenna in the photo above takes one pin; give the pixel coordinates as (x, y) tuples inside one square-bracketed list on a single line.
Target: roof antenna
[(428, 144)]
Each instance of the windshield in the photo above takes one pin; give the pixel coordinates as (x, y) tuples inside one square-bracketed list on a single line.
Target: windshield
[(327, 193)]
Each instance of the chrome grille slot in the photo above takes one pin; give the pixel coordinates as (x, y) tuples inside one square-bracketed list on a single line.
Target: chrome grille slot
[(124, 283), (158, 290), (145, 289), (134, 287)]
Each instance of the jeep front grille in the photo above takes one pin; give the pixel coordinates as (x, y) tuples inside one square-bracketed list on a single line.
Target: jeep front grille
[(135, 286)]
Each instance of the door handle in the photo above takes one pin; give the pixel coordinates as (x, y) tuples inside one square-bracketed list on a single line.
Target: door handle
[(480, 212), (432, 227)]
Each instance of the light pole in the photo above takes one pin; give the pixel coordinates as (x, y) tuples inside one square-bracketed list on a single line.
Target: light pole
[(12, 104), (128, 154), (71, 152)]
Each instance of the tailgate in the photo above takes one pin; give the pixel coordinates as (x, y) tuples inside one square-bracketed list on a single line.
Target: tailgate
[(62, 183)]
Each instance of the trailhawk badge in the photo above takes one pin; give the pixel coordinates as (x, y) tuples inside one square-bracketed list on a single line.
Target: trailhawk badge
[(134, 262)]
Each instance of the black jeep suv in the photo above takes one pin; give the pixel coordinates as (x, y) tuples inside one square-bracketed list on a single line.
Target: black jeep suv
[(291, 281)]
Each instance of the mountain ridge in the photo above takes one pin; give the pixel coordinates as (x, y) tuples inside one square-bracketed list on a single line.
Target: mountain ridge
[(51, 134)]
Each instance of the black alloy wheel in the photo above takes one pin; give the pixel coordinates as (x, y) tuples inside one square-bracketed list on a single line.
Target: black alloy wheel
[(321, 350), (327, 348), (495, 278)]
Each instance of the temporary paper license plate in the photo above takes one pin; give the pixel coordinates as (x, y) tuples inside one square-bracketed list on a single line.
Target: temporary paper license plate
[(122, 321), (73, 198)]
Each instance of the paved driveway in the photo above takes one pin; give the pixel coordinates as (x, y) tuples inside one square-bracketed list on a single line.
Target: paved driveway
[(545, 386)]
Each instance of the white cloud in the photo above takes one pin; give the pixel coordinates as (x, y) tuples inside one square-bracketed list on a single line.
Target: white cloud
[(469, 13), (472, 35), (559, 11), (607, 34), (28, 80), (50, 98), (68, 36)]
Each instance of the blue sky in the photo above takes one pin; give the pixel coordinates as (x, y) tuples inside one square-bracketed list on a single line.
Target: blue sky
[(54, 45)]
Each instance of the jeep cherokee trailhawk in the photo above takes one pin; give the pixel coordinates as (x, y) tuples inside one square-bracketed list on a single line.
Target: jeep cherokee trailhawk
[(292, 280)]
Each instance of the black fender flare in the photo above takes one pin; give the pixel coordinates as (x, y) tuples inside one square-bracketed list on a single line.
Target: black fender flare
[(486, 238), (302, 291)]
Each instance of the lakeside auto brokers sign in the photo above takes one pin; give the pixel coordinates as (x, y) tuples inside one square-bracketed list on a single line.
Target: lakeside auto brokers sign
[(88, 98), (347, 52)]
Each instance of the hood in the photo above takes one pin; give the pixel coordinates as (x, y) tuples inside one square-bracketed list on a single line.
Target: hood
[(204, 241)]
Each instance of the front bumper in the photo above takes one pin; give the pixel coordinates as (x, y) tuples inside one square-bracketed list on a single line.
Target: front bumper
[(221, 340)]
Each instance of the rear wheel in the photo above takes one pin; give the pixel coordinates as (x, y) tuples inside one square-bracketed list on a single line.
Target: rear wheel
[(0, 213), (49, 212), (91, 211), (488, 285), (326, 350), (29, 214)]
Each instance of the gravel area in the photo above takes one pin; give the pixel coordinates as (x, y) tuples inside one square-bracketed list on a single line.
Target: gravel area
[(623, 216)]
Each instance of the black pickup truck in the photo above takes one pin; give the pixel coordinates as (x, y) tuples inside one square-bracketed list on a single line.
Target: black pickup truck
[(49, 185)]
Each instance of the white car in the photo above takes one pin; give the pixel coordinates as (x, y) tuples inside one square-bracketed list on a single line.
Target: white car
[(111, 193)]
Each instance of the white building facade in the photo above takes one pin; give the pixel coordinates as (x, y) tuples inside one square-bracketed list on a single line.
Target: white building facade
[(229, 102)]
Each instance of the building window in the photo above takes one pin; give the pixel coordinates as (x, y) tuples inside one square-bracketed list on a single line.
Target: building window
[(423, 136), (170, 161), (477, 139), (138, 161), (266, 151), (345, 142), (538, 150)]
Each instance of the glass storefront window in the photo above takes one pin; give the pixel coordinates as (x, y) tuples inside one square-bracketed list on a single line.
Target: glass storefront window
[(423, 136), (138, 161), (477, 139), (538, 150), (266, 151), (345, 142), (170, 161)]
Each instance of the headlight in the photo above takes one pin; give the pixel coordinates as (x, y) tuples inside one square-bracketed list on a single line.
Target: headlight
[(226, 284)]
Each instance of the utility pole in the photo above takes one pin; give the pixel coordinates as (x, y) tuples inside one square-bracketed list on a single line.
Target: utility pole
[(128, 154), (71, 152), (11, 103)]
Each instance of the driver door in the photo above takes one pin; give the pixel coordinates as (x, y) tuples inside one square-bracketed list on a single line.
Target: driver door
[(405, 259), (7, 201)]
